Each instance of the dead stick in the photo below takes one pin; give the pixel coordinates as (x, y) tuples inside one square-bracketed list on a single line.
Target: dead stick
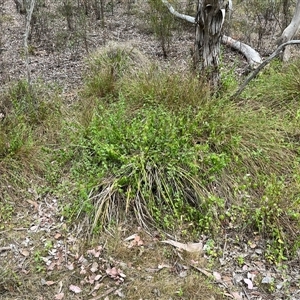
[(109, 291), (4, 249)]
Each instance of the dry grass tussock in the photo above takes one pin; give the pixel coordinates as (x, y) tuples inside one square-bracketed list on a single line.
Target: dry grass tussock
[(122, 57)]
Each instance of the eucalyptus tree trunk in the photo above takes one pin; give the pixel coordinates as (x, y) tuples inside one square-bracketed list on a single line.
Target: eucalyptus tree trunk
[(209, 22)]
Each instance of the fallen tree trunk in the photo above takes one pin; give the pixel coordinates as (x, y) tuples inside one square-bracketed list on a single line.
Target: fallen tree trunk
[(252, 56)]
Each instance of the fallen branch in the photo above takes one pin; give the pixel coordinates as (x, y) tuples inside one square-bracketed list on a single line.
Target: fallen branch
[(4, 249), (203, 271), (106, 293), (252, 56), (262, 65)]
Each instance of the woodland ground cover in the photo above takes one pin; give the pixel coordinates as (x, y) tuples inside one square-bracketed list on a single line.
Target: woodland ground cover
[(156, 149), (149, 150)]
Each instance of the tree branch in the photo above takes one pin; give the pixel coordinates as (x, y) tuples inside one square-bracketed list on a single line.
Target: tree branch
[(261, 66), (177, 14)]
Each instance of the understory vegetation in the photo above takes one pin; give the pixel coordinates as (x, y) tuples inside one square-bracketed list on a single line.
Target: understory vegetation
[(154, 147)]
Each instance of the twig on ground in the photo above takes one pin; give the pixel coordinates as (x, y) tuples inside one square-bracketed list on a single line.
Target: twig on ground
[(2, 249), (109, 291), (245, 292)]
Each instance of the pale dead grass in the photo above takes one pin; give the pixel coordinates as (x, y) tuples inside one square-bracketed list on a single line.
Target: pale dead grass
[(159, 271), (153, 271), (122, 53)]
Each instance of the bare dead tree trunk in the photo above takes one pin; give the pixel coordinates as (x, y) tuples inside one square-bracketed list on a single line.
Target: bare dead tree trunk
[(209, 21), (290, 31)]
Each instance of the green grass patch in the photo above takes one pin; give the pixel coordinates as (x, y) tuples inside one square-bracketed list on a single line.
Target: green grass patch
[(30, 122), (277, 87)]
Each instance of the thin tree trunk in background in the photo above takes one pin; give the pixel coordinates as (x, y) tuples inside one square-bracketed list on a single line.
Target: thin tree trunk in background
[(97, 10), (209, 21), (102, 11), (285, 10), (290, 31), (27, 32), (20, 6)]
